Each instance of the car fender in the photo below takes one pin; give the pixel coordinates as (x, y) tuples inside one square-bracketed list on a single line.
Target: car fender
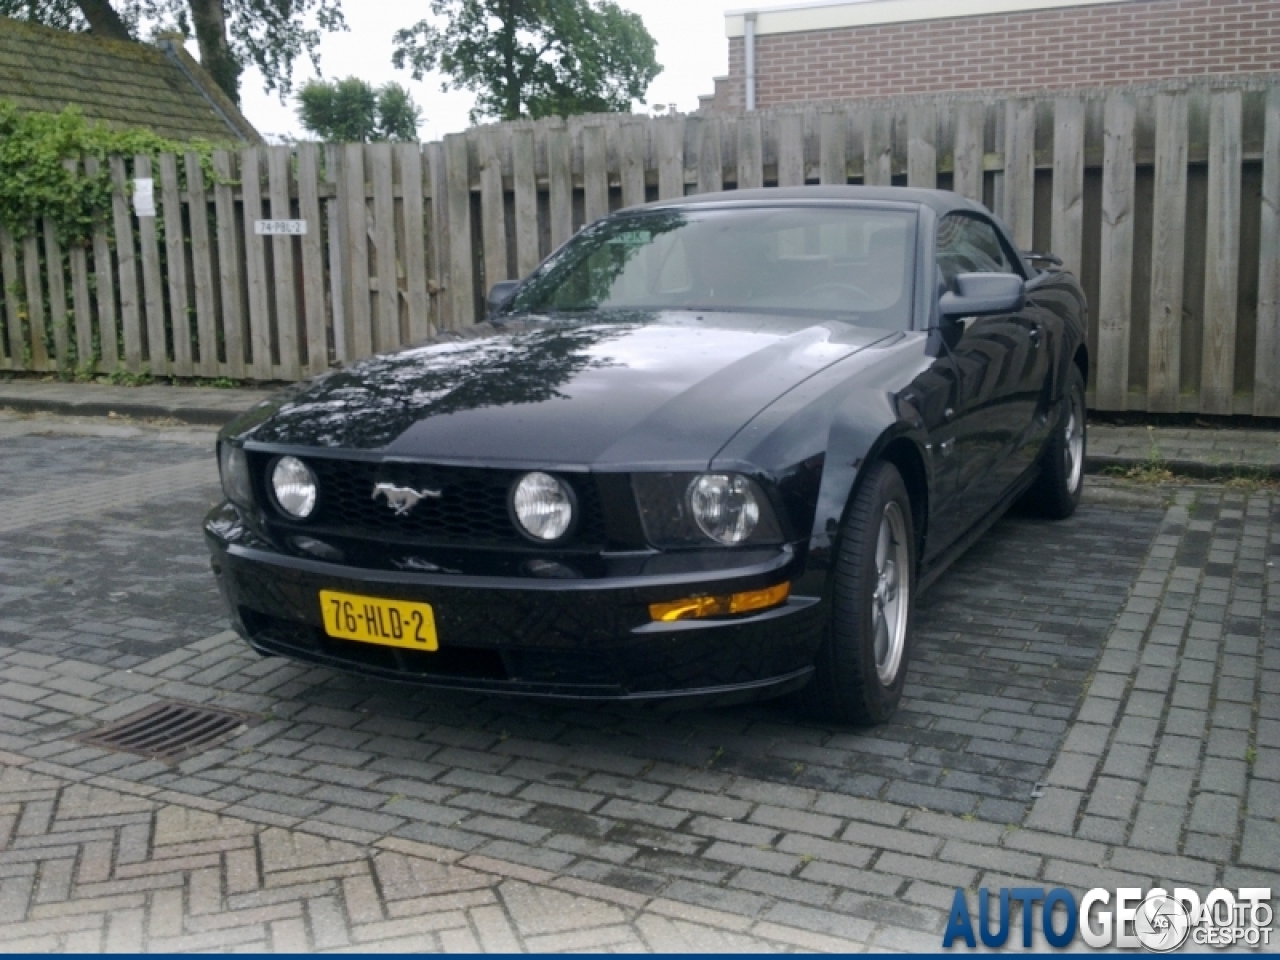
[(862, 430)]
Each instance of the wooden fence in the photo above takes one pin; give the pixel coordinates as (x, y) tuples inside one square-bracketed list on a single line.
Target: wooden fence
[(1164, 199)]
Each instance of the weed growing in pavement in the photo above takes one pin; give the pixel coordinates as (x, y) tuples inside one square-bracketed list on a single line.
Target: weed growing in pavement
[(123, 378), (1148, 472)]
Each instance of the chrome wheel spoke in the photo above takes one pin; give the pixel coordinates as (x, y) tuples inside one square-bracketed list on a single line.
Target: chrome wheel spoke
[(890, 595)]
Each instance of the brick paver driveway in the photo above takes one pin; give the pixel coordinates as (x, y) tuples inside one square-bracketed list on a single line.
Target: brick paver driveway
[(1093, 703)]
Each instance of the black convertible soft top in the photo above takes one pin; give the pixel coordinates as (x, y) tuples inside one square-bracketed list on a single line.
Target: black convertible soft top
[(942, 201)]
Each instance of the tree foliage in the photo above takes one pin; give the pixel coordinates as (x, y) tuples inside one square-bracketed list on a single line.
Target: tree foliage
[(231, 34), (353, 111), (36, 180), (533, 58)]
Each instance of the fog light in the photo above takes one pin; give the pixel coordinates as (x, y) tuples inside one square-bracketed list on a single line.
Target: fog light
[(294, 486), (692, 608), (543, 506)]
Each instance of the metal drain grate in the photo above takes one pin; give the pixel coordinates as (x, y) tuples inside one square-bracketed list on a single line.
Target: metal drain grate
[(169, 731)]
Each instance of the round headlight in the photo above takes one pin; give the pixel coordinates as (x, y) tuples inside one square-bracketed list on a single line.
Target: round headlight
[(543, 506), (724, 506), (294, 486)]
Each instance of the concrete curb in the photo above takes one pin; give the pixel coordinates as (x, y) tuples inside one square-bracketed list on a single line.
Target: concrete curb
[(1197, 469), (204, 416)]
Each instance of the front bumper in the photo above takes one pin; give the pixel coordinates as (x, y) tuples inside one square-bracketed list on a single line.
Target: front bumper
[(589, 639)]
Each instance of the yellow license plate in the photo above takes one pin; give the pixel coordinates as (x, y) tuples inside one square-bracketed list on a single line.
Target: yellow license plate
[(392, 623)]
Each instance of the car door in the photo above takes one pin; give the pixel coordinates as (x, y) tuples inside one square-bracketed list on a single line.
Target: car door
[(994, 358)]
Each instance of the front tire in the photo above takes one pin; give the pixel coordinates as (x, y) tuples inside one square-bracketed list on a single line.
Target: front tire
[(862, 664), (1057, 491)]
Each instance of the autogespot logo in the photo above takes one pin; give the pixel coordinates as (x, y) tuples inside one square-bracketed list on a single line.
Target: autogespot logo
[(1155, 920)]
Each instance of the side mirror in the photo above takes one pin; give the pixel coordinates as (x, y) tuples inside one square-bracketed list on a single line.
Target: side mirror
[(982, 294), (499, 294)]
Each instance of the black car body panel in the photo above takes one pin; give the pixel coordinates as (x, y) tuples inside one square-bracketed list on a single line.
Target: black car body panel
[(800, 407)]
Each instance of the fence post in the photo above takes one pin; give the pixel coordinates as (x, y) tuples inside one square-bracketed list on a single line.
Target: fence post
[(1266, 377)]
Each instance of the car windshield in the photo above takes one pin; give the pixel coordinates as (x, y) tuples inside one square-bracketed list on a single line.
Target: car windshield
[(851, 263)]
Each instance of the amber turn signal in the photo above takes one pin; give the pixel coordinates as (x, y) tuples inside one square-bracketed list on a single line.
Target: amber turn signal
[(694, 607)]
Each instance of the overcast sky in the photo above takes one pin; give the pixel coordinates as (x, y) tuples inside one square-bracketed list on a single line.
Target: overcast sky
[(692, 49)]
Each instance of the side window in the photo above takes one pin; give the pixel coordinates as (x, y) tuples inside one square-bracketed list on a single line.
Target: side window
[(969, 245)]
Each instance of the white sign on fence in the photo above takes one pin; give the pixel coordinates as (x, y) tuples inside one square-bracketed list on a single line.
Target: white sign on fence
[(144, 197), (280, 228)]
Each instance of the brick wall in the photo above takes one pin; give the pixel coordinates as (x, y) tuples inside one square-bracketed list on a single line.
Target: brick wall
[(1124, 42)]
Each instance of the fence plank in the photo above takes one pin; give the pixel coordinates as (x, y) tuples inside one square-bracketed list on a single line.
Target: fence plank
[(176, 266), (339, 234), (34, 292), (441, 243), (104, 293), (81, 306), (631, 143), (202, 268), (750, 152), (526, 201), (383, 234), (1020, 170), (1066, 215), (313, 309), (791, 150), (1115, 283), (81, 310), (833, 167), (1169, 225), (461, 282), (255, 254), (595, 173), (922, 149), (360, 318), (877, 145), (56, 279), (493, 221), (670, 149), (1222, 254), (968, 150), (710, 164), (1266, 378), (126, 267), (9, 266), (152, 284), (285, 282), (415, 249), (230, 256), (560, 185)]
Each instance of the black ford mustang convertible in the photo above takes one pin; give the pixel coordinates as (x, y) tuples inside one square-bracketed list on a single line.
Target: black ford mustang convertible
[(711, 448)]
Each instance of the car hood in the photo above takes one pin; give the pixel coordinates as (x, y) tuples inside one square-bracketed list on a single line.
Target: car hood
[(650, 388)]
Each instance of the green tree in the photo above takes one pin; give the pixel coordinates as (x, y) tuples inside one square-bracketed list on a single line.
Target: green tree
[(231, 34), (533, 58), (352, 111)]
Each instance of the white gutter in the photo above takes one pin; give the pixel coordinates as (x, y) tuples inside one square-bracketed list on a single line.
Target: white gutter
[(749, 56)]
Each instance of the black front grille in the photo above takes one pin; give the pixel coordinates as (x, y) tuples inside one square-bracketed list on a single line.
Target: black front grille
[(470, 511)]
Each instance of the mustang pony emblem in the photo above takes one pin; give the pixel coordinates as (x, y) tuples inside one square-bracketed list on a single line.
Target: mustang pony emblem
[(402, 499)]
